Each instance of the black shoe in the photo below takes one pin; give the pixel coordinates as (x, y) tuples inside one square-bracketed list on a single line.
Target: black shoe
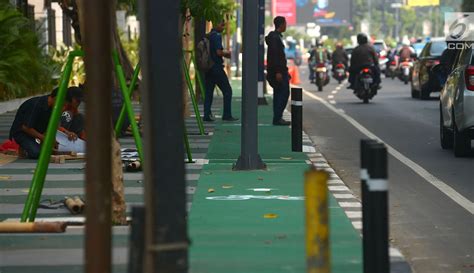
[(282, 122), (350, 87), (208, 119), (230, 119)]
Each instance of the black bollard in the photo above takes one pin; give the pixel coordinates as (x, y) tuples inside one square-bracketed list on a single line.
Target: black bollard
[(137, 240), (377, 187), (297, 119), (365, 146)]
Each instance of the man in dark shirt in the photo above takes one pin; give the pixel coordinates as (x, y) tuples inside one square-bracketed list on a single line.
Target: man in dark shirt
[(277, 70), (31, 122), (339, 56), (363, 55), (217, 76)]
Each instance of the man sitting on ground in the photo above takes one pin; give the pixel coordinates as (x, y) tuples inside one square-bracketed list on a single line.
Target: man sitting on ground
[(72, 122), (31, 122)]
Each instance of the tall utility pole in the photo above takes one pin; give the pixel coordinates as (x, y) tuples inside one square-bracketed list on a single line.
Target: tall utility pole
[(166, 240), (261, 52), (98, 63), (249, 158)]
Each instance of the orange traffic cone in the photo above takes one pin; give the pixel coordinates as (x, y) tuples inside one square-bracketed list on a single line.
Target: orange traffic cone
[(295, 75)]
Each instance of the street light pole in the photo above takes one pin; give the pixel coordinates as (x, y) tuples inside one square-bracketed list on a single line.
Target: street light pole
[(249, 158), (166, 240)]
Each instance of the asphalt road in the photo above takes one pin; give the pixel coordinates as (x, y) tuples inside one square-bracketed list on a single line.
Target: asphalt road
[(435, 233)]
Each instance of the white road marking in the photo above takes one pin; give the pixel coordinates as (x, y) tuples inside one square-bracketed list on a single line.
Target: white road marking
[(338, 188), (334, 92), (308, 149), (350, 205), (357, 224), (330, 97), (332, 102), (343, 196), (354, 214), (430, 178)]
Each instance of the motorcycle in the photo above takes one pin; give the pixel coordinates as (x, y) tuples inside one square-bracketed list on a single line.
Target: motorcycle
[(322, 77), (340, 73), (391, 71), (365, 89), (405, 70)]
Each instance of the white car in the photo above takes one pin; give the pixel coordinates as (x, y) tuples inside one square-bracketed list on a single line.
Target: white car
[(457, 105)]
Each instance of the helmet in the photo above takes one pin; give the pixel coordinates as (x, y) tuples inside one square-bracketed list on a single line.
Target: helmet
[(362, 38)]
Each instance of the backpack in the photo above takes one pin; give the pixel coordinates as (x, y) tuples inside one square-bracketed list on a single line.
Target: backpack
[(203, 55)]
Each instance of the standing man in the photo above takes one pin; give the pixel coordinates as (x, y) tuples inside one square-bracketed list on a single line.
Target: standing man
[(277, 70), (31, 122), (217, 76)]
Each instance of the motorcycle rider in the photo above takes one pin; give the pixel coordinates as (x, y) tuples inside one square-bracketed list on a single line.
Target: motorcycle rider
[(364, 55), (406, 52), (320, 54), (339, 56)]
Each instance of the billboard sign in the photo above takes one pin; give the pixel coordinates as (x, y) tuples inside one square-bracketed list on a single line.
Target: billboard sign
[(422, 3), (324, 12), (320, 12), (285, 8)]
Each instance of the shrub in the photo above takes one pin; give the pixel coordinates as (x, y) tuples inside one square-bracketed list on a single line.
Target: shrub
[(24, 69)]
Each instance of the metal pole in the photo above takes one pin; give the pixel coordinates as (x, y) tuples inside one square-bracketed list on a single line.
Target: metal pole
[(133, 83), (377, 188), (261, 52), (37, 182), (249, 158), (128, 105), (98, 64), (317, 222), (137, 240), (297, 119), (365, 147), (193, 98), (166, 236)]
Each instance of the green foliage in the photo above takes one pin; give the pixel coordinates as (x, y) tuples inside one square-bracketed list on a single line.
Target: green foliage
[(24, 69), (214, 11), (132, 47), (60, 56)]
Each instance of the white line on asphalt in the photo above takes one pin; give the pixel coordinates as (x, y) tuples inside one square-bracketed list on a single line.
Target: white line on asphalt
[(332, 102), (433, 180), (330, 97), (334, 91), (350, 204)]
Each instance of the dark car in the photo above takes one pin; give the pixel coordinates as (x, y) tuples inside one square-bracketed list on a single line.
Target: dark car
[(424, 81)]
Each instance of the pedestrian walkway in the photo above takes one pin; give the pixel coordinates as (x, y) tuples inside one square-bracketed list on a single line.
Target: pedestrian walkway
[(253, 221)]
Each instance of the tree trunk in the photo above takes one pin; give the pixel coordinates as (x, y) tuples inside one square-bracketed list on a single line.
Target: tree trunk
[(118, 197)]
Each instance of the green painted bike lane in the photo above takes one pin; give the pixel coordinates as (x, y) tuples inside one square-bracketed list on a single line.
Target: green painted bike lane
[(234, 228)]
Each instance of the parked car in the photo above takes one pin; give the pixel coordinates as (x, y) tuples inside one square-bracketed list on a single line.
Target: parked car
[(424, 82), (457, 105)]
